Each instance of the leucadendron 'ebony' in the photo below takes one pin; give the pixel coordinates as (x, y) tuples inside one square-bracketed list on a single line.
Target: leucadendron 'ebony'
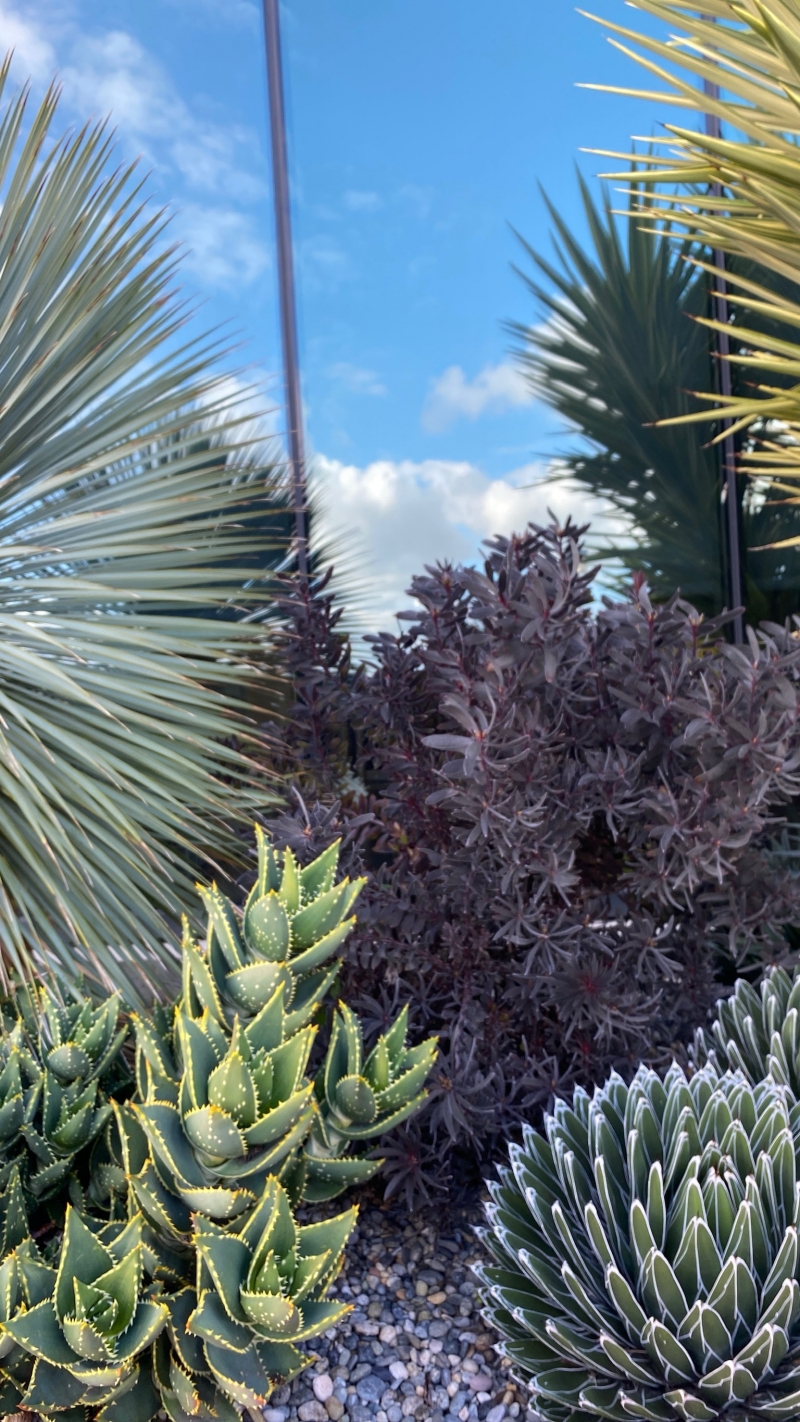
[(569, 811)]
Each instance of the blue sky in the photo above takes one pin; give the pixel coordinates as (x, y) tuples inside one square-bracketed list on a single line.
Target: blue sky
[(419, 133)]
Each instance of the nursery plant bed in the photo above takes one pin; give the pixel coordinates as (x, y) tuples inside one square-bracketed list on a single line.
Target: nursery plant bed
[(414, 1344)]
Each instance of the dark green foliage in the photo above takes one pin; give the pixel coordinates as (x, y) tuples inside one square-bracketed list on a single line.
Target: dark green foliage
[(621, 348)]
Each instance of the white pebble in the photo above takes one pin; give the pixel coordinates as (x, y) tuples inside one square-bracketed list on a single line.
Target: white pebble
[(323, 1386), (398, 1370), (497, 1413)]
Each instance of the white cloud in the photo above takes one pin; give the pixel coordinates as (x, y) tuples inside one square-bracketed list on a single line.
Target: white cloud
[(355, 379), (189, 151), (113, 73), (401, 515), (33, 52), (358, 201), (452, 396), (222, 246)]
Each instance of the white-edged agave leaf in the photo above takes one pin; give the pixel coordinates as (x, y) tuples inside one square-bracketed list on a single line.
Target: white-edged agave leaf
[(627, 1305), (784, 1266), (602, 1400), (661, 1292), (697, 1263), (689, 1406), (735, 1297), (573, 1344), (763, 1353), (706, 1336), (672, 1359), (728, 1384), (638, 1369), (646, 1403)]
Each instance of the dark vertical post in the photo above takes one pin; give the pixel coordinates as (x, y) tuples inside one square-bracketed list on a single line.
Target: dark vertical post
[(728, 448), (283, 232)]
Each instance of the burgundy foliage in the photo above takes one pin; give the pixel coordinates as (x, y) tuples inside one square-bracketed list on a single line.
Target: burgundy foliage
[(566, 815)]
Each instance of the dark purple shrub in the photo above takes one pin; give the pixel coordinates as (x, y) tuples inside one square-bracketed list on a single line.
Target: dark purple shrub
[(566, 819)]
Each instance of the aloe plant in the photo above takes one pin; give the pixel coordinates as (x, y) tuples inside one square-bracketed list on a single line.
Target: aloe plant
[(646, 1251), (223, 1096), (88, 1321), (261, 1291), (360, 1100), (294, 921), (175, 1279)]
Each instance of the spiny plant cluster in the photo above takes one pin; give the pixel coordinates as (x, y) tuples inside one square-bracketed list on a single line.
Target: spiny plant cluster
[(566, 822), (150, 1258), (646, 1251)]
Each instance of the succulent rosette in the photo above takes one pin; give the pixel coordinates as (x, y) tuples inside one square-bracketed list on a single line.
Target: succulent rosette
[(293, 922), (646, 1252), (87, 1322), (757, 1032), (360, 1099), (261, 1291), (225, 1111)]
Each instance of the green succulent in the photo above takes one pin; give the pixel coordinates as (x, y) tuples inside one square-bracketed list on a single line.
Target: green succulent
[(76, 1041), (293, 922), (85, 1323), (646, 1252), (359, 1100), (223, 1112), (21, 1078), (758, 1033), (261, 1289)]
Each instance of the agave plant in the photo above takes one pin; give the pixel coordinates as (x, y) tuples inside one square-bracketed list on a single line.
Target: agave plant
[(757, 1033), (87, 1322), (294, 920), (646, 1251), (129, 500)]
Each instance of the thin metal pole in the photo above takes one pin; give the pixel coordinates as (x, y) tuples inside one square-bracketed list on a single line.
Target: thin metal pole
[(283, 232), (728, 445)]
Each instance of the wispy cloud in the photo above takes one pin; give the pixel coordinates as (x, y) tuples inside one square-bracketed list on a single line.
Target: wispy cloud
[(452, 396), (356, 201), (356, 379), (223, 248), (214, 166), (409, 514)]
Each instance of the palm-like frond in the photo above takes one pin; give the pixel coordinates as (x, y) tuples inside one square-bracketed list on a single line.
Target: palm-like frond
[(751, 50), (618, 352), (622, 347), (127, 501)]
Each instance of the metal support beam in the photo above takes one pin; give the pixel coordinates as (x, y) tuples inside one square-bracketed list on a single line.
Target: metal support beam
[(286, 286), (727, 446)]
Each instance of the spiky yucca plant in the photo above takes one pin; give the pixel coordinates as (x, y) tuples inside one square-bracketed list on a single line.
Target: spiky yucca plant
[(646, 1251), (128, 499), (739, 193)]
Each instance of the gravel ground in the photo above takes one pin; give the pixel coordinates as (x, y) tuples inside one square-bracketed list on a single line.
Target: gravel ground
[(414, 1344)]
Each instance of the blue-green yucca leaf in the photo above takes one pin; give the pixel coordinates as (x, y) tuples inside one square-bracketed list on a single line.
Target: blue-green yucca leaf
[(134, 530), (671, 1293)]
